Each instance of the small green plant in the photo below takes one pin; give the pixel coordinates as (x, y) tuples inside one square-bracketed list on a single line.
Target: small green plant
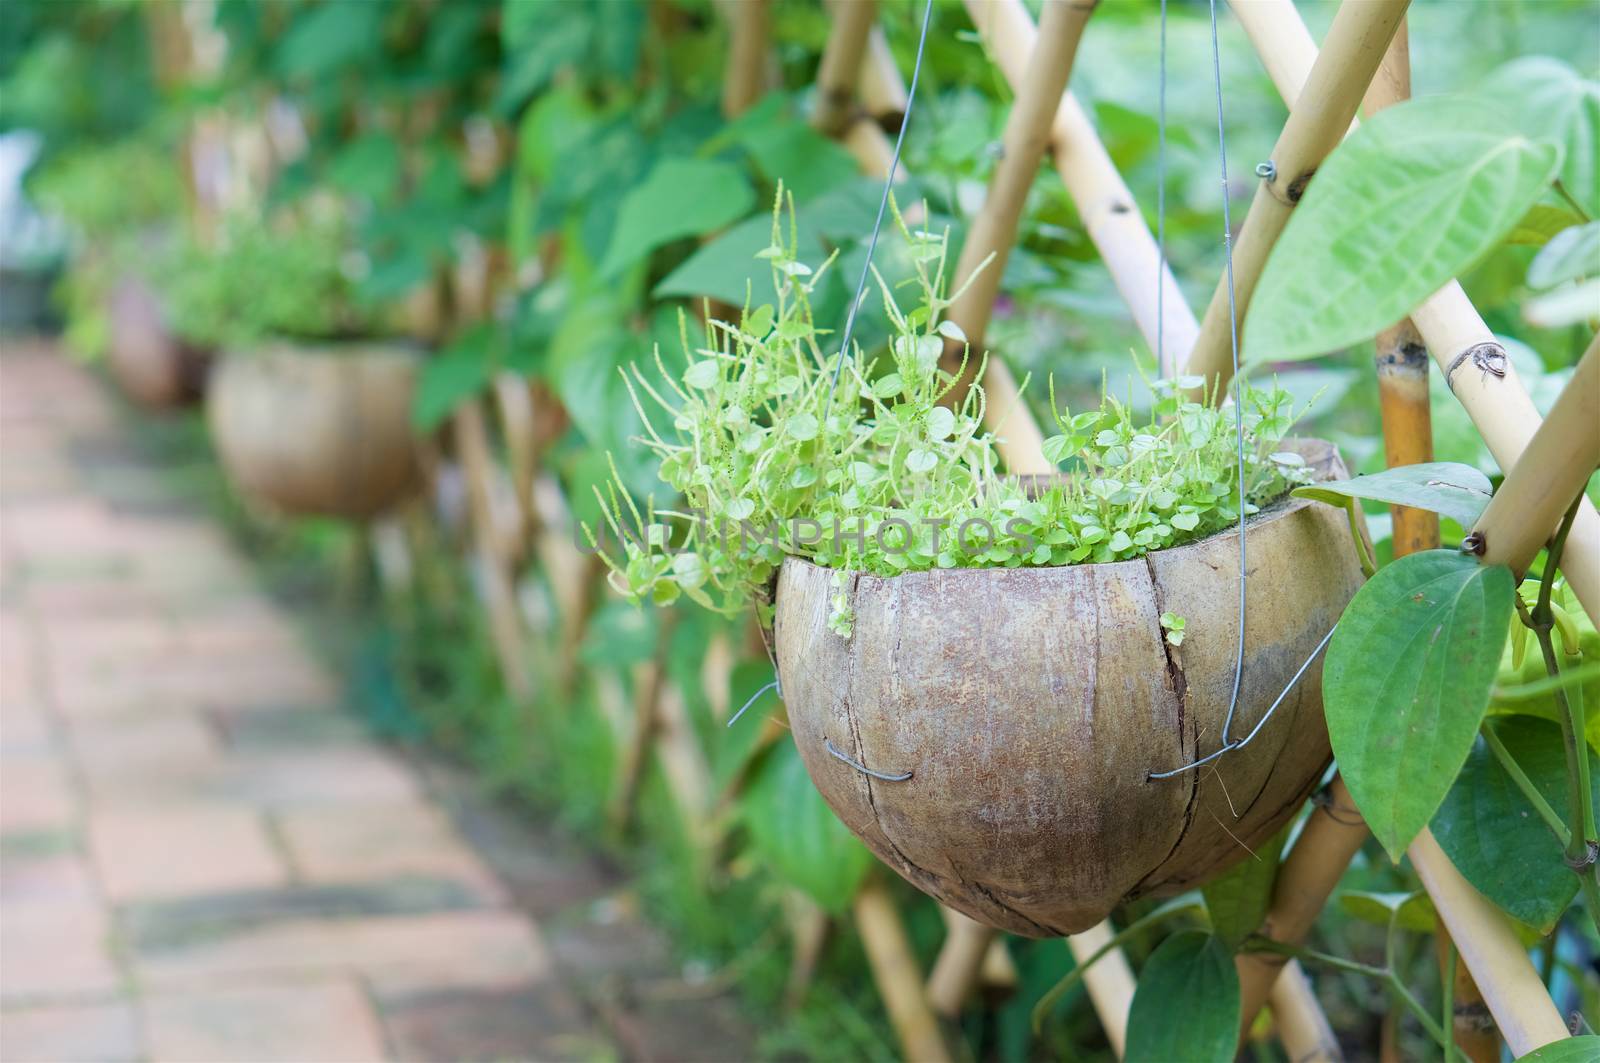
[(877, 473), (1173, 625), (264, 281)]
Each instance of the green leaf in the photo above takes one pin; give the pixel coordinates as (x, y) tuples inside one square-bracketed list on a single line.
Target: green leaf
[(790, 151), (1570, 254), (460, 370), (1411, 199), (1553, 100), (1237, 899), (1187, 1003), (1407, 681), (797, 836), (1450, 489), (1408, 911), (1493, 835), (1585, 1049), (681, 197)]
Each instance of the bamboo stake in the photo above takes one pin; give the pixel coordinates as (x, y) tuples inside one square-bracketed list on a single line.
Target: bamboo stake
[(1331, 837), (1499, 406), (1558, 461), (1320, 118), (1104, 203), (1402, 365), (883, 95), (1110, 982), (899, 979), (841, 65), (749, 44), (1474, 363), (1302, 1027), (505, 628), (994, 230), (1522, 1008)]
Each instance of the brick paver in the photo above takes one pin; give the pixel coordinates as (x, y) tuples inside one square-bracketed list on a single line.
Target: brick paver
[(200, 857)]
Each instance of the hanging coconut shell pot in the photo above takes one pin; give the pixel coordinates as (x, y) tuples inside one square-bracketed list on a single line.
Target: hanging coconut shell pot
[(990, 733), (151, 365), (317, 431)]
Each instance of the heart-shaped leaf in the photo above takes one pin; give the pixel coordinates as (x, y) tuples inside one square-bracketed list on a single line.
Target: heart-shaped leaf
[(1411, 199), (1237, 899), (1407, 681), (1187, 1003), (1553, 100), (1444, 487), (1493, 835), (681, 197), (1585, 1049), (1408, 911)]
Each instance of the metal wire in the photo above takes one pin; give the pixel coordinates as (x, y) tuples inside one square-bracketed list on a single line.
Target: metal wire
[(883, 206)]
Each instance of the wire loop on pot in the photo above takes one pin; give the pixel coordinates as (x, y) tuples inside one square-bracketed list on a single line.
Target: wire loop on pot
[(1227, 746), (862, 768)]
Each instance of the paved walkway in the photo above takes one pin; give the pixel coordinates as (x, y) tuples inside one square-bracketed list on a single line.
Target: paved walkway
[(201, 859)]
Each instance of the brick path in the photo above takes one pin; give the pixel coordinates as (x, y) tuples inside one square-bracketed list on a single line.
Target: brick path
[(201, 859)]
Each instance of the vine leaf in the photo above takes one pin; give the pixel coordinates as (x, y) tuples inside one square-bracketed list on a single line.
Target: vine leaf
[(1237, 900), (795, 833), (1407, 682), (1553, 100), (1489, 830), (1572, 253), (1187, 1003), (681, 197), (1411, 199), (1569, 1050), (1447, 488), (1408, 911)]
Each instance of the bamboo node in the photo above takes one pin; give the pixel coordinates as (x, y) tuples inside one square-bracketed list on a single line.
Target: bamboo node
[(1487, 357)]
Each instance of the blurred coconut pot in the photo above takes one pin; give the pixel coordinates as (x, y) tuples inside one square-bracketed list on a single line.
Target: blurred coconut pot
[(317, 431), (156, 368), (1030, 705)]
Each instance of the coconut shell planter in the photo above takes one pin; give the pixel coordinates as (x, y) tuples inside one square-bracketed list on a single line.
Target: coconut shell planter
[(150, 363), (1029, 707), (317, 431)]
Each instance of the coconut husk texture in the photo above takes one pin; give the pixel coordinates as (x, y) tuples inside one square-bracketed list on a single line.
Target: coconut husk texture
[(317, 431), (1032, 704), (151, 365)]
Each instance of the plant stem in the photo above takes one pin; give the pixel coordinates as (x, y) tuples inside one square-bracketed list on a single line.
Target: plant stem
[(1569, 678), (1339, 963), (1525, 784), (1578, 208), (1581, 848), (1449, 1008), (1369, 565)]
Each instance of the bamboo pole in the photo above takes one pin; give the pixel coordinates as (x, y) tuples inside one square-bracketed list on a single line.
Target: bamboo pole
[(883, 94), (1474, 363), (1104, 203), (1331, 837), (841, 65), (1522, 1007), (749, 44), (1302, 1027), (1555, 466), (1319, 119), (505, 627), (1109, 982), (994, 230), (1402, 367), (899, 979), (1501, 409)]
